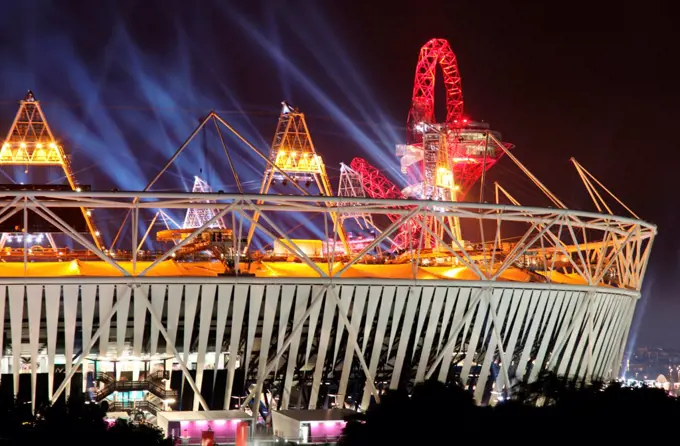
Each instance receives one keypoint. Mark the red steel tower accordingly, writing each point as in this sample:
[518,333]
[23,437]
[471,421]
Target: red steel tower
[443,159]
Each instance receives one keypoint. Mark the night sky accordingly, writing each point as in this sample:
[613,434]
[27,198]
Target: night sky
[124,82]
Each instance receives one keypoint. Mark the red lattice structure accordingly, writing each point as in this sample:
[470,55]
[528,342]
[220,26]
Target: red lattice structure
[376,185]
[433,53]
[461,146]
[442,160]
[374,182]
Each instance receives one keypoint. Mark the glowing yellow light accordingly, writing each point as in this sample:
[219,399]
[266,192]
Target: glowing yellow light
[38,146]
[293,154]
[89,213]
[78,189]
[96,233]
[5,146]
[53,145]
[22,145]
[282,152]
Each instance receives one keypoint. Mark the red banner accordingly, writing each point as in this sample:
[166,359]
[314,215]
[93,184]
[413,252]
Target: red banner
[242,433]
[208,438]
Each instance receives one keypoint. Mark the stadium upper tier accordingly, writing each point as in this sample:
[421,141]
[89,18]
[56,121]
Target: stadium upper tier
[280,269]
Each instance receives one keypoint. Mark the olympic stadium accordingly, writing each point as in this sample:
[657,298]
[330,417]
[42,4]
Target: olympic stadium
[384,286]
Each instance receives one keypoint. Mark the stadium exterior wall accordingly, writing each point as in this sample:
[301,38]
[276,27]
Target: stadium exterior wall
[487,334]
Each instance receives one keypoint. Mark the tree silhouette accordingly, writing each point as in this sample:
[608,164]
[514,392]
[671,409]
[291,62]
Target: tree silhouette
[549,409]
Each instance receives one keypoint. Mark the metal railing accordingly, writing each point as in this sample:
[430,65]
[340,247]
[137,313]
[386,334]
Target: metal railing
[132,405]
[129,386]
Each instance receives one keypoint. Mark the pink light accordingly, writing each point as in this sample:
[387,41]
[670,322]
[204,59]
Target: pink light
[183,423]
[220,422]
[201,423]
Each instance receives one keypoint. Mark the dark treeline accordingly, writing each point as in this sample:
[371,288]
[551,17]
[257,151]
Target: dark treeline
[73,423]
[550,410]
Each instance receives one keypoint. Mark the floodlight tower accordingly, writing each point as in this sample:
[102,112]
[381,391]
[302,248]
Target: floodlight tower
[30,143]
[197,217]
[293,158]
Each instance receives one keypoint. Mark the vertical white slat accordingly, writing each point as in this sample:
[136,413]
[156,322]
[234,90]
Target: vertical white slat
[615,337]
[223,299]
[122,318]
[371,308]
[324,337]
[88,297]
[287,297]
[358,306]
[190,304]
[618,348]
[410,313]
[204,322]
[563,326]
[271,302]
[313,322]
[52,296]
[301,303]
[423,311]
[157,303]
[346,294]
[379,339]
[399,303]
[139,318]
[513,297]
[518,309]
[240,300]
[16,319]
[534,322]
[451,294]
[601,314]
[547,334]
[34,302]
[458,314]
[572,307]
[622,341]
[532,297]
[174,306]
[578,320]
[256,292]
[605,335]
[478,320]
[359,299]
[581,349]
[485,370]
[496,340]
[105,305]
[432,325]
[70,319]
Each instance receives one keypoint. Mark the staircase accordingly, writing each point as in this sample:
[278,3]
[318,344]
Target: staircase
[110,385]
[125,406]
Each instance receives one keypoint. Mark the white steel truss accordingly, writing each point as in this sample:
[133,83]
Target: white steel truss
[350,186]
[560,297]
[195,218]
